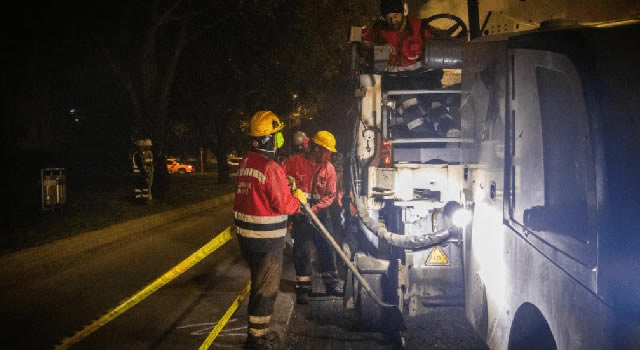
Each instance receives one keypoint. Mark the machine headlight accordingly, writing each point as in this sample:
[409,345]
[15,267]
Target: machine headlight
[462,217]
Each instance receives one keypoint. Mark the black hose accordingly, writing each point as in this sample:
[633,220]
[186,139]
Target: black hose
[393,239]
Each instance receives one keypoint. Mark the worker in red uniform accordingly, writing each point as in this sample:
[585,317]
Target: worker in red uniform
[403,33]
[261,207]
[299,167]
[323,193]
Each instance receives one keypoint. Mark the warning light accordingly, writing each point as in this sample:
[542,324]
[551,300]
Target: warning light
[437,257]
[387,154]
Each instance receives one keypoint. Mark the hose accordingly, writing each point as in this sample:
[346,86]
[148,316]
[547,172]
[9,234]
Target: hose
[393,239]
[306,210]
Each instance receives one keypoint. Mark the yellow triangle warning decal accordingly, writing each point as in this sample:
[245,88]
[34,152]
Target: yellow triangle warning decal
[437,257]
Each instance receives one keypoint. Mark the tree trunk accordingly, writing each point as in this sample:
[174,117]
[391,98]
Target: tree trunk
[223,166]
[160,176]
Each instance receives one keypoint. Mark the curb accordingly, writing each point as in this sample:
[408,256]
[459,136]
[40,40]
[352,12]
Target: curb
[24,264]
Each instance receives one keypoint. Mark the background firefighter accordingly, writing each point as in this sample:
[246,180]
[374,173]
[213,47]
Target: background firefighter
[142,167]
[323,193]
[261,207]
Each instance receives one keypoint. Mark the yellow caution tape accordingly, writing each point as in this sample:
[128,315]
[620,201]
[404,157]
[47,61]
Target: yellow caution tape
[222,238]
[227,315]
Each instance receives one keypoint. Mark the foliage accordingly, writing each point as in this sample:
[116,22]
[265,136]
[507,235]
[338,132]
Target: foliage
[262,58]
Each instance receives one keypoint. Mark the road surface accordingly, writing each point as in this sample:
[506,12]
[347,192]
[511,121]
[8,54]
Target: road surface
[40,312]
[42,305]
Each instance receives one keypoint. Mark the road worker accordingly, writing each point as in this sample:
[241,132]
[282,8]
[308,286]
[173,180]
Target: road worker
[262,204]
[323,193]
[402,33]
[142,167]
[299,169]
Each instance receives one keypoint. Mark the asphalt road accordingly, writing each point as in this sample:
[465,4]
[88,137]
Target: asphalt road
[324,325]
[41,305]
[39,312]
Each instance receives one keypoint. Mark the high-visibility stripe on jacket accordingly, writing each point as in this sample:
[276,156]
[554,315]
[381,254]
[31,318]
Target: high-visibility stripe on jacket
[301,169]
[324,185]
[262,198]
[136,162]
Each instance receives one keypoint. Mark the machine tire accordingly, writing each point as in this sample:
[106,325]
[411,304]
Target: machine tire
[182,171]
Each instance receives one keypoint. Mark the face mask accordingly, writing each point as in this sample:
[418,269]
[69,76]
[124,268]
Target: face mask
[279,141]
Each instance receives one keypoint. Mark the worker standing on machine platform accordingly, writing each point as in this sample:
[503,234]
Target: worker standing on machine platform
[402,33]
[323,193]
[261,207]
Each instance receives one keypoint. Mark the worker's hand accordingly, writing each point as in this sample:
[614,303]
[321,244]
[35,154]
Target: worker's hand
[300,195]
[292,183]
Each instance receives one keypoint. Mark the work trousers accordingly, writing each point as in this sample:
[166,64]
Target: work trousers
[141,188]
[264,257]
[305,238]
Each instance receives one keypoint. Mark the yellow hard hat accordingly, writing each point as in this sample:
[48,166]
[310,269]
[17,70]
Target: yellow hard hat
[265,123]
[326,140]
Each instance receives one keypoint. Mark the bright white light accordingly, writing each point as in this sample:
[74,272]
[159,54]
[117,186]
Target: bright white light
[462,217]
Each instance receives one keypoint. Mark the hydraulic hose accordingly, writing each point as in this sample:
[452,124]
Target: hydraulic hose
[398,240]
[393,239]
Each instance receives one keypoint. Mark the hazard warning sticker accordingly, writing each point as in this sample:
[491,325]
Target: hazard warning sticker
[437,257]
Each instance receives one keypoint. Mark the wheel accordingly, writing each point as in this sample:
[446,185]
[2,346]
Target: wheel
[449,32]
[182,171]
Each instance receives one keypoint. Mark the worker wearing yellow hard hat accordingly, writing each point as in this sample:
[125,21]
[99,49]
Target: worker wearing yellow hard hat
[323,193]
[262,204]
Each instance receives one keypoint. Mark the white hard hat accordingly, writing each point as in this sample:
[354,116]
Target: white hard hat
[300,138]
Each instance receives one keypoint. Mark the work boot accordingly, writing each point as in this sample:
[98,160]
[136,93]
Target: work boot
[271,341]
[302,295]
[334,289]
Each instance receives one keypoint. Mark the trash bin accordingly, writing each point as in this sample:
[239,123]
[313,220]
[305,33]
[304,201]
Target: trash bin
[54,188]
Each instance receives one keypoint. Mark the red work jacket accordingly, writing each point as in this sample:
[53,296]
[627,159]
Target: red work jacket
[301,169]
[262,200]
[406,45]
[323,188]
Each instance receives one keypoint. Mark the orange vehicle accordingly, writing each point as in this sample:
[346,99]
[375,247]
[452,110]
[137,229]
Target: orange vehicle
[173,166]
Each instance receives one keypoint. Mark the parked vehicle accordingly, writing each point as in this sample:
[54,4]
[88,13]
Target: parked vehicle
[173,166]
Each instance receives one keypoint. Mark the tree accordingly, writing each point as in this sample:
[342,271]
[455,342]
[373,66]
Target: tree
[145,62]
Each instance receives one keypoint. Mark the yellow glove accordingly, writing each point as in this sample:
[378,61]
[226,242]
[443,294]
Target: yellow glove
[292,183]
[300,196]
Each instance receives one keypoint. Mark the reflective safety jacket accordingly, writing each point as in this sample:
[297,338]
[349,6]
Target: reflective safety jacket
[301,169]
[406,45]
[262,200]
[137,162]
[323,188]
